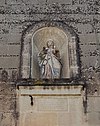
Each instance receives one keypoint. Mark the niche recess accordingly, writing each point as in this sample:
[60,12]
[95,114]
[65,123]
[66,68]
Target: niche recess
[35,38]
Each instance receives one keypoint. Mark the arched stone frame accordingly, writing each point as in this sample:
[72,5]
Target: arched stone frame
[26,53]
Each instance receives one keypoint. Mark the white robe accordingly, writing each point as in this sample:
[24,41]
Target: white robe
[50,66]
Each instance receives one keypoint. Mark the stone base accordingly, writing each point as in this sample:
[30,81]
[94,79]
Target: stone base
[50,106]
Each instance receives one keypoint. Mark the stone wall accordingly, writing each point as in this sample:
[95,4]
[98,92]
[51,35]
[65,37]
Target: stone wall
[16,16]
[8,113]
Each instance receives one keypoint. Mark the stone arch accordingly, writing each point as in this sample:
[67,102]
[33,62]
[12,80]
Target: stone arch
[27,47]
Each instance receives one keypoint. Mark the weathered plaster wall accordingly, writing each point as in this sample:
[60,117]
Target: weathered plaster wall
[81,15]
[17,15]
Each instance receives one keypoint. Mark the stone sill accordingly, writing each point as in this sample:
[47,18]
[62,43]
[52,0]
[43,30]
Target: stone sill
[50,90]
[46,82]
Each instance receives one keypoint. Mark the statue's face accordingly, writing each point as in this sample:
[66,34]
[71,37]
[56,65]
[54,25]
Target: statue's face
[50,43]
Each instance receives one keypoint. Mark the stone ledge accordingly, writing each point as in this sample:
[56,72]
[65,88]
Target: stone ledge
[46,82]
[50,90]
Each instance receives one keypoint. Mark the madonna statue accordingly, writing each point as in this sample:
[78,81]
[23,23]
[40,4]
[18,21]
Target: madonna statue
[49,62]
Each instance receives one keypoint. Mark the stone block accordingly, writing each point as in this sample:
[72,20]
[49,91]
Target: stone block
[94,118]
[50,107]
[39,119]
[70,119]
[87,38]
[52,104]
[9,62]
[94,104]
[59,1]
[73,103]
[9,50]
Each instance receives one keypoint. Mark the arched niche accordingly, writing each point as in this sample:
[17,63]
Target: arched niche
[60,39]
[36,37]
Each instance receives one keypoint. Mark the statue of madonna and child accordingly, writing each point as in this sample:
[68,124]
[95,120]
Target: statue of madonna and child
[49,62]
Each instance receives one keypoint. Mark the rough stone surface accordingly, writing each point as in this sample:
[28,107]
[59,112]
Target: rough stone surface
[16,16]
[8,114]
[83,16]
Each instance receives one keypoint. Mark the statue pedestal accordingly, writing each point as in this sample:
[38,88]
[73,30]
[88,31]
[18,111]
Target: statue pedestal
[50,105]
